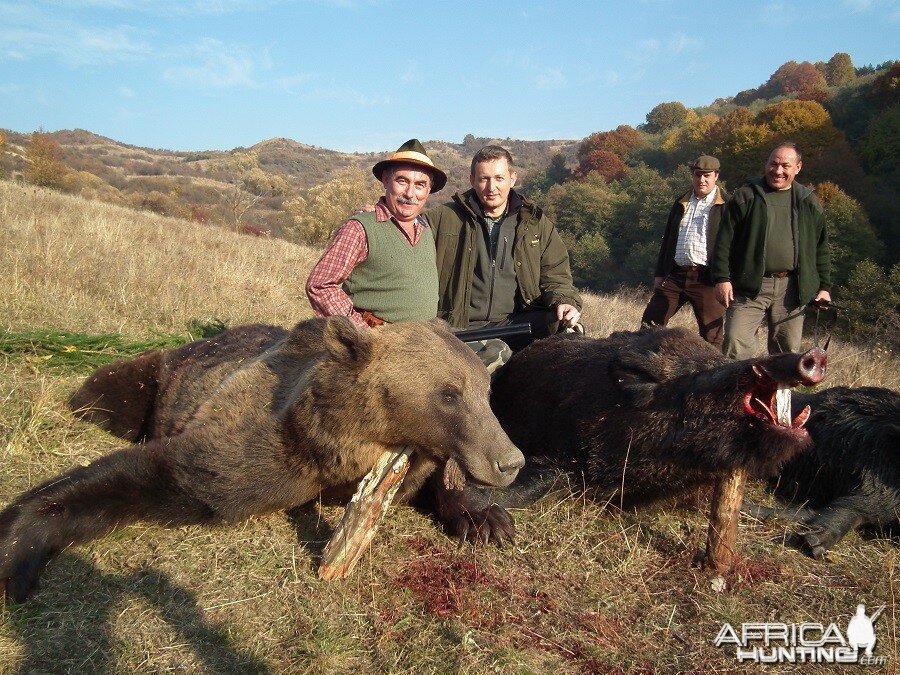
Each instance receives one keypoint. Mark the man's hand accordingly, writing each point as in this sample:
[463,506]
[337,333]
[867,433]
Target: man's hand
[724,293]
[822,300]
[567,314]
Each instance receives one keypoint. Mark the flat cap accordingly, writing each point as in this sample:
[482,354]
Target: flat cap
[705,163]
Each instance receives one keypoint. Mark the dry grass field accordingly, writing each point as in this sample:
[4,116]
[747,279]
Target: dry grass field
[583,590]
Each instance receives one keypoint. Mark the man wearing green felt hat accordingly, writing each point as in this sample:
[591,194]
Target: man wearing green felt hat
[379,266]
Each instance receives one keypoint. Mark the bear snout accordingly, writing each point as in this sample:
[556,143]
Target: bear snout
[508,468]
[512,465]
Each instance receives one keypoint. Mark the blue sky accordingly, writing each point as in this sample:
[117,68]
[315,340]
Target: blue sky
[365,75]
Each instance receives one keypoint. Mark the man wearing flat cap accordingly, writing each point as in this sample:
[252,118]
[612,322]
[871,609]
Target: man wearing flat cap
[682,269]
[379,267]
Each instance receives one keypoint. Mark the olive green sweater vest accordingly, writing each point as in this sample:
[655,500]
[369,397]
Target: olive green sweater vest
[396,282]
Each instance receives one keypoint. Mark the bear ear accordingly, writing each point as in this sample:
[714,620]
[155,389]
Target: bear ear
[347,343]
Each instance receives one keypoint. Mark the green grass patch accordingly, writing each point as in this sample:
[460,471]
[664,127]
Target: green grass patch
[63,352]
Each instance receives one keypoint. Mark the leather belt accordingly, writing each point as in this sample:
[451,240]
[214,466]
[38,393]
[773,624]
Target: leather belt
[371,320]
[778,275]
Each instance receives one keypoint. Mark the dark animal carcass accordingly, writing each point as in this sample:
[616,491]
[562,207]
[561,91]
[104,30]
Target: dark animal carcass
[260,419]
[637,417]
[850,476]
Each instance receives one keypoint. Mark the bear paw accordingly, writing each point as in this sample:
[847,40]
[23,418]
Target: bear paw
[493,524]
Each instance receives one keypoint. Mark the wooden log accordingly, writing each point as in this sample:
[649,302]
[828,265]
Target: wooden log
[363,514]
[725,510]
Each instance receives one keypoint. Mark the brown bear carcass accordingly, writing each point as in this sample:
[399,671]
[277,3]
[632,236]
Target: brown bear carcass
[255,420]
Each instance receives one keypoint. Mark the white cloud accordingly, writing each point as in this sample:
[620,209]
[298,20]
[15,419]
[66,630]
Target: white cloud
[681,43]
[29,32]
[551,78]
[650,45]
[346,95]
[291,83]
[218,66]
[197,7]
[412,75]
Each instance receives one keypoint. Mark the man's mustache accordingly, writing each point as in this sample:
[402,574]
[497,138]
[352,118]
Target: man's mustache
[408,201]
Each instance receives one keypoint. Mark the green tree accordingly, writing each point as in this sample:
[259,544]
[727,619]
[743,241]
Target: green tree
[850,233]
[687,141]
[538,182]
[318,211]
[872,302]
[635,228]
[886,87]
[665,116]
[839,70]
[46,167]
[591,262]
[879,148]
[581,207]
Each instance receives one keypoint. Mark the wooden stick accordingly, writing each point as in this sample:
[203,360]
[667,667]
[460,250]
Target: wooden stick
[363,514]
[725,511]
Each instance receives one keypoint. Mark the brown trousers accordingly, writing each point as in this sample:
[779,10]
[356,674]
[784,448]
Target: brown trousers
[682,286]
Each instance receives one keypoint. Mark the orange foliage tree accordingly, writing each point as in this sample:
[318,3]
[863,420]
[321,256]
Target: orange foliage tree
[886,87]
[46,167]
[605,151]
[795,77]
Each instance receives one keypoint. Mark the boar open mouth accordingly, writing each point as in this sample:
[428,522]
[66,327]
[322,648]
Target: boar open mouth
[762,402]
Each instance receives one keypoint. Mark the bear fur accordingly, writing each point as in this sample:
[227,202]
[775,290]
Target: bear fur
[634,417]
[260,419]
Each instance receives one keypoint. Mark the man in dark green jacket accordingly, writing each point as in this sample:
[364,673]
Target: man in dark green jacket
[499,260]
[771,258]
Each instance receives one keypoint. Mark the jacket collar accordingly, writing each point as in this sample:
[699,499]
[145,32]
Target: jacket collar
[799,192]
[721,197]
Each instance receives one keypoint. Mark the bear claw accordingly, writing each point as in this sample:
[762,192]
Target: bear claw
[492,525]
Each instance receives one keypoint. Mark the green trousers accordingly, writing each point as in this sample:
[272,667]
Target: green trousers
[776,306]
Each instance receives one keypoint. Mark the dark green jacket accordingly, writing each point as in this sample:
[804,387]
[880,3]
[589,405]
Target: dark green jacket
[542,261]
[670,237]
[740,250]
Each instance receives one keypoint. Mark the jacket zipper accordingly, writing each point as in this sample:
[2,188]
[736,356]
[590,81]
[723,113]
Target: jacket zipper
[503,255]
[493,252]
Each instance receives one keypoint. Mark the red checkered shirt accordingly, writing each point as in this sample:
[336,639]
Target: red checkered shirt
[347,249]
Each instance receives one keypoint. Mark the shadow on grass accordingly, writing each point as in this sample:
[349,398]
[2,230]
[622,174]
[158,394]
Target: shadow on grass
[313,532]
[68,627]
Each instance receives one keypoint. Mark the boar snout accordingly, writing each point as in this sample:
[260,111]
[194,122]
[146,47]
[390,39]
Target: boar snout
[812,366]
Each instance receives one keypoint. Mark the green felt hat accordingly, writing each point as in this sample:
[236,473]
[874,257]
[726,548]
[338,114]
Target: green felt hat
[413,152]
